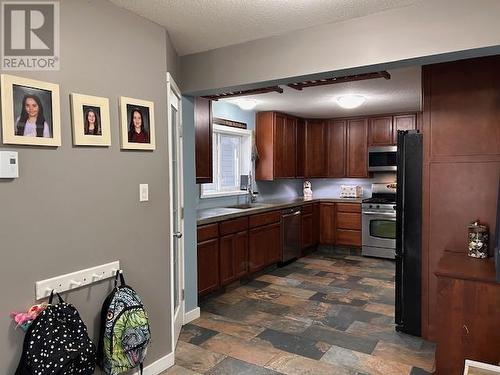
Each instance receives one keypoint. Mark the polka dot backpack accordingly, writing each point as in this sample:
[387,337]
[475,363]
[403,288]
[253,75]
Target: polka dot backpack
[57,343]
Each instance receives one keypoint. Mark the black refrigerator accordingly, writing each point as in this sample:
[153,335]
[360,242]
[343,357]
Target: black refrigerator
[409,233]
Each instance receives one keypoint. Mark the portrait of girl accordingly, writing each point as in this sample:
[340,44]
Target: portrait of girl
[91,120]
[31,122]
[138,125]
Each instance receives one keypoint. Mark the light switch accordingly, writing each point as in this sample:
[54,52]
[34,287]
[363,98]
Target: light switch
[143,192]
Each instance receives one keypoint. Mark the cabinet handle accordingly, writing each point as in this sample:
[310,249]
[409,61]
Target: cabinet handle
[466,329]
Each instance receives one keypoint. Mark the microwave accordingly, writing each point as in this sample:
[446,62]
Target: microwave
[382,158]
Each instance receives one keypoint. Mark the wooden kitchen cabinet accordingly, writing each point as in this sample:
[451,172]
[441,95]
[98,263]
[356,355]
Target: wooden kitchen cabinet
[208,266]
[316,148]
[404,122]
[316,223]
[264,246]
[327,227]
[307,237]
[381,132]
[348,224]
[357,148]
[203,140]
[276,140]
[233,257]
[301,148]
[336,146]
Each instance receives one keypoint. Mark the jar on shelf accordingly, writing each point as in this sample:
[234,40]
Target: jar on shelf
[478,240]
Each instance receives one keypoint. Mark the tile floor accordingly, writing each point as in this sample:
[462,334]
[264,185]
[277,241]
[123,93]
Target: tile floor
[331,312]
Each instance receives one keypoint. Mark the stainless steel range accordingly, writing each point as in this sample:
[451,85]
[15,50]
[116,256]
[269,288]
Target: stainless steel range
[379,222]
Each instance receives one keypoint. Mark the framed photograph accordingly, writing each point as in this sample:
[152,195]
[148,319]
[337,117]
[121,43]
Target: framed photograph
[137,124]
[30,112]
[91,125]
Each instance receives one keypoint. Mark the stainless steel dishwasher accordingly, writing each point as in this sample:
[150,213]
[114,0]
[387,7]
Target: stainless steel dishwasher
[292,228]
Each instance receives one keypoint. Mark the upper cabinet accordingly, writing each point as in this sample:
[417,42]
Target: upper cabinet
[315,141]
[357,148]
[383,130]
[336,146]
[203,140]
[301,148]
[276,140]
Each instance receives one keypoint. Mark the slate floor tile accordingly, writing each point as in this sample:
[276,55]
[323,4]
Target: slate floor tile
[195,358]
[294,344]
[232,366]
[195,334]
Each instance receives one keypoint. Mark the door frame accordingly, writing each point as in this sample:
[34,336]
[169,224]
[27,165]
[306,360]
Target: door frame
[173,89]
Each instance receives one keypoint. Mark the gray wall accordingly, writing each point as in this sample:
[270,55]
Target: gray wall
[77,207]
[431,30]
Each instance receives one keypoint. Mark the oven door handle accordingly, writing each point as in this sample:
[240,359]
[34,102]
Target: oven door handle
[379,213]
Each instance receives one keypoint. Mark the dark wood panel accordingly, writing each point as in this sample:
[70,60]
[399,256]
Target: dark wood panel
[301,148]
[336,146]
[290,148]
[307,209]
[327,220]
[315,148]
[316,223]
[265,219]
[233,226]
[203,140]
[307,238]
[347,237]
[233,257]
[207,232]
[357,148]
[380,132]
[404,122]
[348,220]
[349,207]
[264,246]
[279,145]
[208,266]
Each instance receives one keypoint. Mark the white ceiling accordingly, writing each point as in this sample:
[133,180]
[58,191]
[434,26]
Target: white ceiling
[401,93]
[202,25]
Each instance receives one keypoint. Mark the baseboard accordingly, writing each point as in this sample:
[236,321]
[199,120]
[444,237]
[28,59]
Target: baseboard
[158,366]
[191,315]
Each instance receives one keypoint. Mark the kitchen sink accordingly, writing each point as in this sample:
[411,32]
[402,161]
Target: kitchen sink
[247,206]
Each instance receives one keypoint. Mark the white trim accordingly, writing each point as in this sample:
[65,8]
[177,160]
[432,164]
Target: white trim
[230,130]
[191,315]
[222,194]
[158,366]
[480,365]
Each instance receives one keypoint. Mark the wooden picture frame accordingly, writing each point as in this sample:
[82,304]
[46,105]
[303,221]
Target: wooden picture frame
[130,137]
[90,120]
[31,112]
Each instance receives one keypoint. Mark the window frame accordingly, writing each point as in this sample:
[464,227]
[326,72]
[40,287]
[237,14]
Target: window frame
[244,163]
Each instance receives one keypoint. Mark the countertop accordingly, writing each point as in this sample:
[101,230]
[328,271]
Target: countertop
[214,215]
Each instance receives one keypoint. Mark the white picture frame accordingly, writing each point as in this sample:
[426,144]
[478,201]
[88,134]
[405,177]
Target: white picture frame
[17,94]
[128,139]
[82,106]
[480,368]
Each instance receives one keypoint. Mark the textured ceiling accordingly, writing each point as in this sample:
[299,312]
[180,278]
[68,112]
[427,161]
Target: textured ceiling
[401,93]
[202,25]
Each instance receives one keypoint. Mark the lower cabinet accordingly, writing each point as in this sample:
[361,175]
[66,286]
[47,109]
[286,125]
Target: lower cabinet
[327,226]
[233,257]
[264,246]
[348,224]
[208,266]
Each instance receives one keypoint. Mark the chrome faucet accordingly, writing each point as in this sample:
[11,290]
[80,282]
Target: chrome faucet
[251,195]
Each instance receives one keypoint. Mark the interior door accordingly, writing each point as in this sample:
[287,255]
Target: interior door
[176,206]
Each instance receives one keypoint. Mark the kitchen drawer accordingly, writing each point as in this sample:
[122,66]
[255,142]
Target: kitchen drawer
[348,220]
[348,237]
[207,232]
[349,207]
[307,209]
[234,226]
[265,218]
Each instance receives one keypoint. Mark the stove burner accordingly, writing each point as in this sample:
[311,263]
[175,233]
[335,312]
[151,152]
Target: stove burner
[379,200]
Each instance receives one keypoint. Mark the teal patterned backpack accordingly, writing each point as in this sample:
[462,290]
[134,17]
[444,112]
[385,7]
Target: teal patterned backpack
[125,333]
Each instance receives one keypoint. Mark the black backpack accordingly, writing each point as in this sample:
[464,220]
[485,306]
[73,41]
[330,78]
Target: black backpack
[57,343]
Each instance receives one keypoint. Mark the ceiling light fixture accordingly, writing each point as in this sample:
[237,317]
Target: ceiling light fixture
[245,103]
[350,101]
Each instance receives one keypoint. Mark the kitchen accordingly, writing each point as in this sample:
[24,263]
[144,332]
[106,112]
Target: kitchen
[349,156]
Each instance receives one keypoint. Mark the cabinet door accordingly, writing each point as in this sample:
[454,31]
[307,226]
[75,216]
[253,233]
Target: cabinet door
[290,148]
[336,146]
[307,239]
[233,257]
[301,148]
[327,219]
[264,246]
[404,122]
[380,131]
[357,148]
[208,266]
[315,148]
[203,140]
[316,223]
[279,145]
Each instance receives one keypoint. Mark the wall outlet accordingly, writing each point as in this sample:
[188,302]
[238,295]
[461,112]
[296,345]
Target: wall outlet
[143,192]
